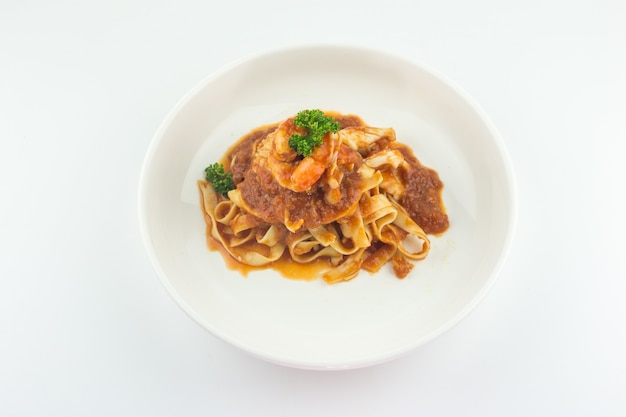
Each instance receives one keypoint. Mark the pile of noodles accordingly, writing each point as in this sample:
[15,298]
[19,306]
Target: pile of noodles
[360,184]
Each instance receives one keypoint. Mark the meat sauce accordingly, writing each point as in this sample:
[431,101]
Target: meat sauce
[422,195]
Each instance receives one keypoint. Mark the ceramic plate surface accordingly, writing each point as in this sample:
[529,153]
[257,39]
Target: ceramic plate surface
[310,324]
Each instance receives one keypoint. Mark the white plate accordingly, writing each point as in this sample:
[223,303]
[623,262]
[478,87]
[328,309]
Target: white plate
[309,324]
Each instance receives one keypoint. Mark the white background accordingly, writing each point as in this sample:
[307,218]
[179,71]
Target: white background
[87,328]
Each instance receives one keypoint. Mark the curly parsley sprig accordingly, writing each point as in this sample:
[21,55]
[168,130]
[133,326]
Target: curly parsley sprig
[221,180]
[316,124]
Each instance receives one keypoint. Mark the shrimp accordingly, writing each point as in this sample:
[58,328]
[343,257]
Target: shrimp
[299,175]
[310,169]
[281,150]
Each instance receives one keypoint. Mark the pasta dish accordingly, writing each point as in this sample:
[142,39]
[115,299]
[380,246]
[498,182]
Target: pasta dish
[357,199]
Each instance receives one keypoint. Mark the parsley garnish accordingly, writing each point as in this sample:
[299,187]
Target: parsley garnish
[316,124]
[221,180]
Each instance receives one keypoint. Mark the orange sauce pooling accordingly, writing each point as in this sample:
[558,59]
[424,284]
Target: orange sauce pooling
[285,266]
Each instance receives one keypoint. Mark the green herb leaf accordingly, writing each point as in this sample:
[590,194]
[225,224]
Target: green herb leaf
[316,124]
[221,180]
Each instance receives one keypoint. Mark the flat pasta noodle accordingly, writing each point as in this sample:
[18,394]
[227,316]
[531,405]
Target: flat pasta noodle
[342,204]
[305,248]
[243,245]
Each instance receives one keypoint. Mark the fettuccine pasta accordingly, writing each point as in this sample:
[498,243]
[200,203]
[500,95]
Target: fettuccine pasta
[359,201]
